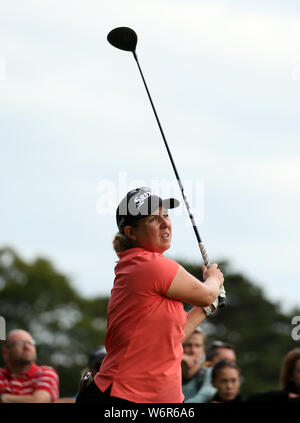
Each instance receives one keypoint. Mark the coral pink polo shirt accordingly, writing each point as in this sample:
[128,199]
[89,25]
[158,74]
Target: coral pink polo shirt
[144,331]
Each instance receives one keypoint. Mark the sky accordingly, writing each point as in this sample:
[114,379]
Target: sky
[77,132]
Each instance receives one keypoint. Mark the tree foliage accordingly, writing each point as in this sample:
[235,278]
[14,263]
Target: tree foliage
[66,326]
[257,328]
[36,297]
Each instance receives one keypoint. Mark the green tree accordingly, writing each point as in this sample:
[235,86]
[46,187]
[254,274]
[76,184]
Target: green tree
[36,297]
[257,328]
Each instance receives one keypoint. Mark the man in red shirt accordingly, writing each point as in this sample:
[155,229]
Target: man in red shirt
[22,380]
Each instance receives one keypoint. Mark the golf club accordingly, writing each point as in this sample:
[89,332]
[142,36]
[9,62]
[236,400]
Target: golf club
[125,38]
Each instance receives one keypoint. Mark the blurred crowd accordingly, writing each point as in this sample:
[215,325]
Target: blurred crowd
[210,373]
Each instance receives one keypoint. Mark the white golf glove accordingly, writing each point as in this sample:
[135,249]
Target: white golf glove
[209,310]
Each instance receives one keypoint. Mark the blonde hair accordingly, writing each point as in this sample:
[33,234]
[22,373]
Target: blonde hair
[121,243]
[288,367]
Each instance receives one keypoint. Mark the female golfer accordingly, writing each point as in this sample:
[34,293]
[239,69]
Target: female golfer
[146,321]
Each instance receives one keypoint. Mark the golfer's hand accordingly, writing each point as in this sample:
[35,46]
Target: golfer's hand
[214,272]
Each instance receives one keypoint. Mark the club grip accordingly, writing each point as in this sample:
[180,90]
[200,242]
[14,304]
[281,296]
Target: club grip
[222,293]
[222,296]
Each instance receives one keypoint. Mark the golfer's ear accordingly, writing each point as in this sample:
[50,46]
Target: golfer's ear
[129,231]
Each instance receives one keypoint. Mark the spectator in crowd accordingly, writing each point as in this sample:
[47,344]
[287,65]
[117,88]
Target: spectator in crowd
[227,381]
[290,373]
[21,380]
[216,352]
[191,364]
[95,360]
[289,382]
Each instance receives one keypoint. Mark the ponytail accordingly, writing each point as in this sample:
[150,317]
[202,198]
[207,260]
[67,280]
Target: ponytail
[121,243]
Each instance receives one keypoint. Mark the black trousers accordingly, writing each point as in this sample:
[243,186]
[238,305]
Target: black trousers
[91,394]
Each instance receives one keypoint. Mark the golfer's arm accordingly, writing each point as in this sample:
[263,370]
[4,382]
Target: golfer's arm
[194,318]
[185,287]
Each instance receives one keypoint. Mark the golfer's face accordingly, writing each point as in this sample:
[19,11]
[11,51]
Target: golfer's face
[155,232]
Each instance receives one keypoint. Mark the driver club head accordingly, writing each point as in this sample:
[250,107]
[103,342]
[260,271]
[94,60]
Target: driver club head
[123,38]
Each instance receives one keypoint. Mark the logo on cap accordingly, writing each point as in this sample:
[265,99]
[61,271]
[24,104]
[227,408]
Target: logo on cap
[140,200]
[139,203]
